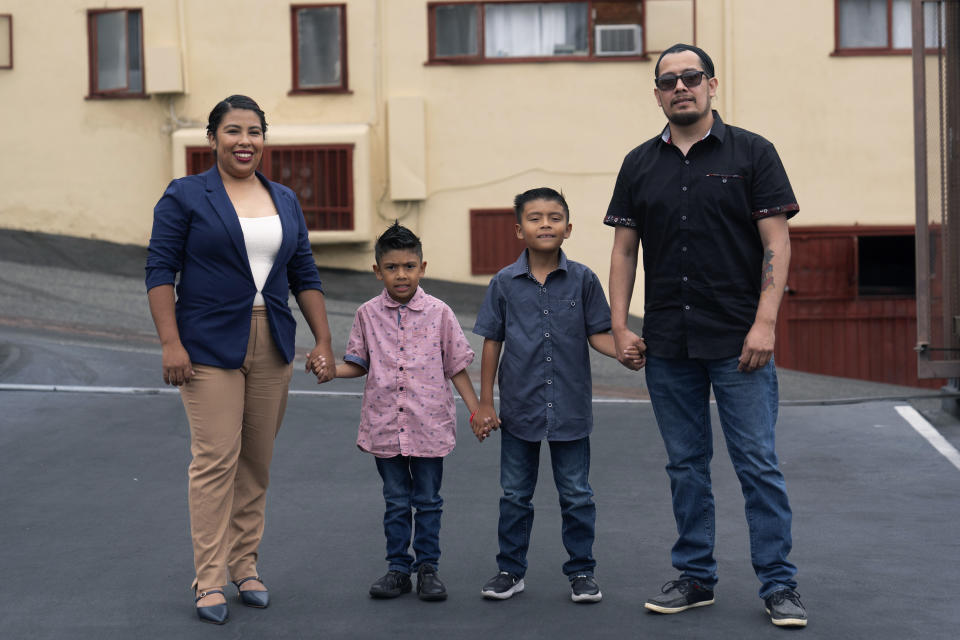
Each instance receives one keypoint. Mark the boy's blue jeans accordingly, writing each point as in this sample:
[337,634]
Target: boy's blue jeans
[411,483]
[747,404]
[519,464]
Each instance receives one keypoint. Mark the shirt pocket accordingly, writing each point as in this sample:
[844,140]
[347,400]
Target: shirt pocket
[726,191]
[569,312]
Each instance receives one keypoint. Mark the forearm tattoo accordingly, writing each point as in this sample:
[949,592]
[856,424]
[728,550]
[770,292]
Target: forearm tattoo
[766,273]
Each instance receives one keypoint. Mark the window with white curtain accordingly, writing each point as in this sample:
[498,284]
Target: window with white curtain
[535,30]
[548,30]
[319,48]
[870,26]
[115,52]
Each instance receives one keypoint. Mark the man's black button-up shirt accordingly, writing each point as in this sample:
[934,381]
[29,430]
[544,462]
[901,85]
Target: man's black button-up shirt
[702,253]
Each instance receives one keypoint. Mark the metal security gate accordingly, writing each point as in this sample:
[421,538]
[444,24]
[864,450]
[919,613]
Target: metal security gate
[936,92]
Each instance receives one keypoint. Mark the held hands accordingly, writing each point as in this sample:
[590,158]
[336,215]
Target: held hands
[484,421]
[321,363]
[177,369]
[757,347]
[631,349]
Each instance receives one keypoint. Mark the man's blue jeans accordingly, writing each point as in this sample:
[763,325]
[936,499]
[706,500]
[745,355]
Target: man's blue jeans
[519,465]
[411,482]
[747,403]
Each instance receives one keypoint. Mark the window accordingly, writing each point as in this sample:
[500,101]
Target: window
[493,240]
[6,41]
[320,175]
[886,265]
[319,48]
[883,26]
[322,178]
[115,40]
[479,32]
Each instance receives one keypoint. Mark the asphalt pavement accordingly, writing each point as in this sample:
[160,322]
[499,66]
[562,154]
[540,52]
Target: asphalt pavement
[93,458]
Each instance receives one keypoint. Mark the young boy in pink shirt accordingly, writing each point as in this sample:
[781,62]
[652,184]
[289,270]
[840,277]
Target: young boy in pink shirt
[408,344]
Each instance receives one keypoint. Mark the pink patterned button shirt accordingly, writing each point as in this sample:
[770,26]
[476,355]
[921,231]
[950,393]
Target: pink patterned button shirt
[409,351]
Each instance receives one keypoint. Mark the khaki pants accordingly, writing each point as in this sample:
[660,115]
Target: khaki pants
[234,417]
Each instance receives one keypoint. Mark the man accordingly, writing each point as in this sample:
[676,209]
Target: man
[710,204]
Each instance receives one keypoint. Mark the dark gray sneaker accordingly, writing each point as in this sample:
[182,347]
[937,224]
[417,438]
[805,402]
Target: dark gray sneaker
[584,588]
[429,585]
[502,586]
[680,595]
[785,609]
[391,585]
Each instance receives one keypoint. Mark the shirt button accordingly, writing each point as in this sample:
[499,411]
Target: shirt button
[545,312]
[724,181]
[546,335]
[549,359]
[401,408]
[686,162]
[401,348]
[686,306]
[401,368]
[549,381]
[543,289]
[683,188]
[550,404]
[684,278]
[573,303]
[401,388]
[401,429]
[683,217]
[683,248]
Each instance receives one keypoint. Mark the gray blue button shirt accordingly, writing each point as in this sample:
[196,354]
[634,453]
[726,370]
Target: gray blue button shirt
[544,374]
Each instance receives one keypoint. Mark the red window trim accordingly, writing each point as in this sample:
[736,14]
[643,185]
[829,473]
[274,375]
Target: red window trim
[9,17]
[112,94]
[888,50]
[344,86]
[433,60]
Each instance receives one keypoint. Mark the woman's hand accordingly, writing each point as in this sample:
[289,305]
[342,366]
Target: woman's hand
[177,369]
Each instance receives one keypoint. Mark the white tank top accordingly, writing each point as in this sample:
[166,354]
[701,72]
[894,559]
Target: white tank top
[262,237]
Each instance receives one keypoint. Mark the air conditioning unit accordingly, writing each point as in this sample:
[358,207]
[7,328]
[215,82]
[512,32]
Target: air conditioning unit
[619,39]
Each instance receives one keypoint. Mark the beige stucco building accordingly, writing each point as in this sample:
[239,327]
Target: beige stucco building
[442,112]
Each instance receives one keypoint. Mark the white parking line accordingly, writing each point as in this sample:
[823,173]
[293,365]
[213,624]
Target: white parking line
[150,391]
[930,434]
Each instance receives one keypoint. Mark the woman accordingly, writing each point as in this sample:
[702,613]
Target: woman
[239,244]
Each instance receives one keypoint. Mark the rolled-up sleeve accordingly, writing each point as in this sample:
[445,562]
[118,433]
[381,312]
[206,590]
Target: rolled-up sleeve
[457,354]
[357,351]
[171,224]
[771,192]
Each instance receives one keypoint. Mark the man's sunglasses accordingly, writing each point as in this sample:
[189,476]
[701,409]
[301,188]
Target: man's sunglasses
[668,81]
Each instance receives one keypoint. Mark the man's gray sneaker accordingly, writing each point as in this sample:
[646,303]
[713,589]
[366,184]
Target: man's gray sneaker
[502,586]
[680,595]
[785,609]
[584,588]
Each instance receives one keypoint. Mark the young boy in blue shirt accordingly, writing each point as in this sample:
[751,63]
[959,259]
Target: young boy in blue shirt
[543,311]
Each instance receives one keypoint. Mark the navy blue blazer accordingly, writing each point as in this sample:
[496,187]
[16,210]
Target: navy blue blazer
[196,234]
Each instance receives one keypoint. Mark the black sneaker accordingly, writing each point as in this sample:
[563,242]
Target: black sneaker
[584,588]
[502,586]
[429,586]
[680,595]
[391,585]
[785,609]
